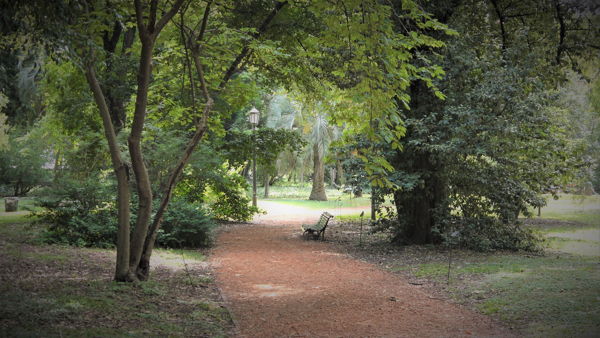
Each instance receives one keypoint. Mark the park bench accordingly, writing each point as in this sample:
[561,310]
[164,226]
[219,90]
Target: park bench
[317,230]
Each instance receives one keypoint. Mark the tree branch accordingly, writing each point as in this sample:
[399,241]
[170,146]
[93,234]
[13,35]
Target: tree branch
[167,16]
[246,50]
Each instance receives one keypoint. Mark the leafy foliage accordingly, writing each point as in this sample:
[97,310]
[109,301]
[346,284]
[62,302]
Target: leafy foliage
[79,213]
[82,213]
[186,225]
[22,164]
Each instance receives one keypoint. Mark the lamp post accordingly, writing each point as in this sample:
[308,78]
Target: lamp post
[253,119]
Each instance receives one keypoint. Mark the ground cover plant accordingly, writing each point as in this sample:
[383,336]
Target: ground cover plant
[58,291]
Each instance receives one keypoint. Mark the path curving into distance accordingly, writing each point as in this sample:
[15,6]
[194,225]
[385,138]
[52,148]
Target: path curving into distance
[276,284]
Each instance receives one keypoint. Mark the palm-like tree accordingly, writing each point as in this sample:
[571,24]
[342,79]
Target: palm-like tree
[320,138]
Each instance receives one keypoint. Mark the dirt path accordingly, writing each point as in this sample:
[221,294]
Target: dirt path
[277,284]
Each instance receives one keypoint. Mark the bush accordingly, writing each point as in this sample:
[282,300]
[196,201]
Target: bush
[80,213]
[489,234]
[479,234]
[83,213]
[185,225]
[233,206]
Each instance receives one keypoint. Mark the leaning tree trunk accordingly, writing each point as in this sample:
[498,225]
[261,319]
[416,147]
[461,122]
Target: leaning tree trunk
[122,271]
[318,183]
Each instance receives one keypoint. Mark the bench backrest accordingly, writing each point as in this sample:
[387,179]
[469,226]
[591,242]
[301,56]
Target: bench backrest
[323,220]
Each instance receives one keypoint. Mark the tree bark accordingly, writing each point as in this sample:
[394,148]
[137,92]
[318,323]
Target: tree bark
[318,183]
[148,32]
[339,177]
[267,184]
[122,271]
[144,265]
[142,179]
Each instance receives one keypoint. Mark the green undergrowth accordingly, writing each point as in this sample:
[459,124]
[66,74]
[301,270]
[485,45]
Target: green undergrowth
[545,296]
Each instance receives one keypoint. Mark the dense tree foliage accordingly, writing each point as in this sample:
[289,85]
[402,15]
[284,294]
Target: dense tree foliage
[478,159]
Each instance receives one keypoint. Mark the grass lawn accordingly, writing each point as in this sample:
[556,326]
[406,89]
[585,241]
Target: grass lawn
[576,208]
[57,291]
[544,296]
[330,204]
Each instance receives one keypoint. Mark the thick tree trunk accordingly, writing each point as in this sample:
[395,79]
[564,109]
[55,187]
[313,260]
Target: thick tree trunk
[318,183]
[419,205]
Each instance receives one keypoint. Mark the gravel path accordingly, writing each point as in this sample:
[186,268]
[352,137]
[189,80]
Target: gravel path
[277,284]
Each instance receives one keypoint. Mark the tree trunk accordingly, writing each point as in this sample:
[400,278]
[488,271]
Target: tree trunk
[374,206]
[143,268]
[142,179]
[318,183]
[267,184]
[148,33]
[419,205]
[301,173]
[339,176]
[332,177]
[122,271]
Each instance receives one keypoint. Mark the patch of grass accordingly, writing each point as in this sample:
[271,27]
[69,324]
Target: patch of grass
[575,208]
[25,204]
[552,295]
[19,229]
[7,218]
[540,295]
[590,218]
[298,191]
[329,204]
[176,254]
[490,306]
[37,256]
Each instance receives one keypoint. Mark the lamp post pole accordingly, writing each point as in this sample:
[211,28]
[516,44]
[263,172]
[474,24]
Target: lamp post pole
[254,121]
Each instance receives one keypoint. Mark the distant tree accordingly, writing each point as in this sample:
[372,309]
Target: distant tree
[22,164]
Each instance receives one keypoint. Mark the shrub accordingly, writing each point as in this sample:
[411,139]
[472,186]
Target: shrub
[478,234]
[83,213]
[489,234]
[80,213]
[233,206]
[185,225]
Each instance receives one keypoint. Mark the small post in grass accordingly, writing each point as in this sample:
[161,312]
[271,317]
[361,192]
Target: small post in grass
[453,236]
[361,227]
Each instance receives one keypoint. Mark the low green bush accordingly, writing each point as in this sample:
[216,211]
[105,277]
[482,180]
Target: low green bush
[186,225]
[489,234]
[80,213]
[83,213]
